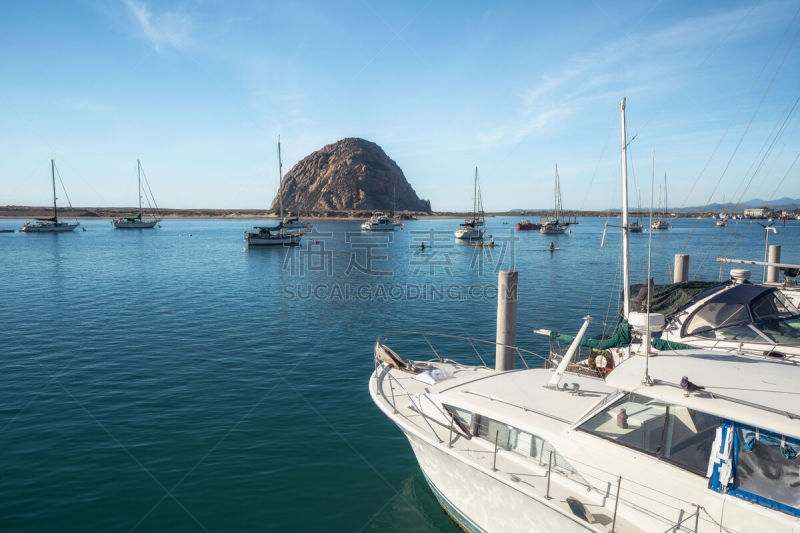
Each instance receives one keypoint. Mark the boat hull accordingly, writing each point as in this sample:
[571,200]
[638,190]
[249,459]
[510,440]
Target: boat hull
[529,227]
[144,224]
[49,228]
[469,234]
[282,240]
[553,230]
[497,506]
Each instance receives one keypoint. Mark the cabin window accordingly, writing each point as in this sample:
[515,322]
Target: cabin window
[717,315]
[634,420]
[773,306]
[689,437]
[670,432]
[525,444]
[462,417]
[768,466]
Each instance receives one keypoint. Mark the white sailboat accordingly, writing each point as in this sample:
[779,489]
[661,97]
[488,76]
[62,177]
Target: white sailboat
[554,225]
[280,234]
[137,222]
[690,440]
[636,227]
[661,221]
[472,228]
[380,221]
[50,225]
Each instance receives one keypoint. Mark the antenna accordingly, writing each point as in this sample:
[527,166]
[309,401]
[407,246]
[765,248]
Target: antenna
[626,276]
[647,379]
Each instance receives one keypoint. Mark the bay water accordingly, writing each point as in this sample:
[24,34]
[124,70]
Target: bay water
[174,380]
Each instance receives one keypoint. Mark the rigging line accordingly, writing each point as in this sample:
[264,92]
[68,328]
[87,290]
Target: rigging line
[74,214]
[600,265]
[147,184]
[705,257]
[771,146]
[594,174]
[760,103]
[695,70]
[775,134]
[736,115]
[745,232]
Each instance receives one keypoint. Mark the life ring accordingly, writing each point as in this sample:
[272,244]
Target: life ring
[606,361]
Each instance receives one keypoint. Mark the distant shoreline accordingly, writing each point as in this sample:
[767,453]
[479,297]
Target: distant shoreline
[100,213]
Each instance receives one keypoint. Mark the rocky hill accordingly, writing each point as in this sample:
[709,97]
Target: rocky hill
[351,174]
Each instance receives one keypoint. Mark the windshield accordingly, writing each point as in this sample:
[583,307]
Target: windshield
[770,318]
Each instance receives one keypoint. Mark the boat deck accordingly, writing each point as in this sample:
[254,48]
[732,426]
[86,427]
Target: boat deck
[402,396]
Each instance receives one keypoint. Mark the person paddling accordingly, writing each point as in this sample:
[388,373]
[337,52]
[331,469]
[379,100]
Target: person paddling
[552,246]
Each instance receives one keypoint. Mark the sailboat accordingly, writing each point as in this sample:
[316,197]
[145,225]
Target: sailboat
[379,221]
[472,228]
[554,225]
[661,221]
[280,234]
[723,216]
[50,225]
[636,227]
[137,222]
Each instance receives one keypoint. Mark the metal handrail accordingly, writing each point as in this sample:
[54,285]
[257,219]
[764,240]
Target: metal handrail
[618,493]
[521,352]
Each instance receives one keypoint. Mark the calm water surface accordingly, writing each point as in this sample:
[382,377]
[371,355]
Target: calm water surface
[171,379]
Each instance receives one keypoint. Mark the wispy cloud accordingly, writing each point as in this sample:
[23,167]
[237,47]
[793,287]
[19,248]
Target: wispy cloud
[657,59]
[168,28]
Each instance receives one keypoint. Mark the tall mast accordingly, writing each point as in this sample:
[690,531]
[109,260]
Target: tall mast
[280,178]
[626,283]
[665,195]
[139,175]
[475,196]
[53,174]
[558,196]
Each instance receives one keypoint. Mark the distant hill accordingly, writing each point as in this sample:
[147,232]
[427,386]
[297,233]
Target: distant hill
[351,174]
[788,204]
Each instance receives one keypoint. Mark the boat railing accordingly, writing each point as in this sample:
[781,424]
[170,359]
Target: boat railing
[457,349]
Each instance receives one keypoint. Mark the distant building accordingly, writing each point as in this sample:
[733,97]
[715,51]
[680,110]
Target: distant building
[761,212]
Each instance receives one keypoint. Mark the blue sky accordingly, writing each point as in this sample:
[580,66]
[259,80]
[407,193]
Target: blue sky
[199,91]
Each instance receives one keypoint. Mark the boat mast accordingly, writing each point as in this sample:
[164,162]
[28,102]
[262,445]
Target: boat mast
[280,178]
[665,196]
[53,174]
[558,196]
[475,197]
[626,284]
[139,176]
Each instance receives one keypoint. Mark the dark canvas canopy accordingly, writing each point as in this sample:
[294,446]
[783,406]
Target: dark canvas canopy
[669,299]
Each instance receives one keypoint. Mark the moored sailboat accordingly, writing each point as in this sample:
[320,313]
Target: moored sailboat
[661,222]
[473,228]
[138,222]
[555,225]
[280,234]
[50,225]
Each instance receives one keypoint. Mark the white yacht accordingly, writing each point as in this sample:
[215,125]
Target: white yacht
[280,235]
[472,229]
[138,222]
[380,222]
[50,225]
[555,225]
[676,440]
[740,318]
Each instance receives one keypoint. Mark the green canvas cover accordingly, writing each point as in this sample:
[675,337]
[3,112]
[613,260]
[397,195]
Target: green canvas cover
[621,337]
[668,299]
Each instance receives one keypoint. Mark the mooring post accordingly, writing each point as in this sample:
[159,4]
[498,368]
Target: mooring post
[774,257]
[681,270]
[506,319]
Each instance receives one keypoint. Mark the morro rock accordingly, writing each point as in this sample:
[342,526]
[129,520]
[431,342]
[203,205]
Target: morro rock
[349,175]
